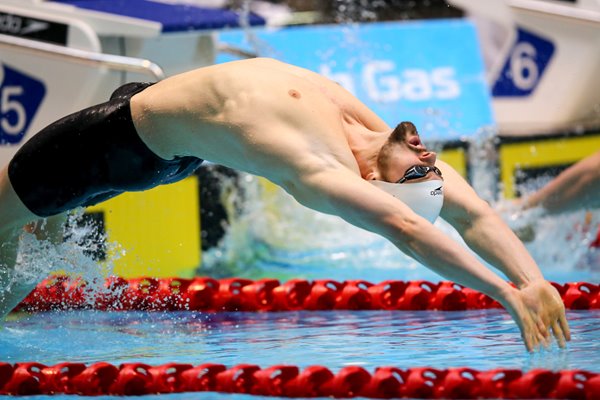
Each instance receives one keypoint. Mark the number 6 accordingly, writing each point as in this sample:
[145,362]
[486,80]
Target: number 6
[523,67]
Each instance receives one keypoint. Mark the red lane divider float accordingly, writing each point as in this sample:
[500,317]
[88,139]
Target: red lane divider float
[596,242]
[237,294]
[289,381]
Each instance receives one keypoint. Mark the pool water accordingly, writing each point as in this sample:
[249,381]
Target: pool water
[480,339]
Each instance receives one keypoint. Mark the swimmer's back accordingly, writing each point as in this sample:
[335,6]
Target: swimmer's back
[219,92]
[256,115]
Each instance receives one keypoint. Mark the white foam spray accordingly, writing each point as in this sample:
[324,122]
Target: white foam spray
[37,259]
[269,233]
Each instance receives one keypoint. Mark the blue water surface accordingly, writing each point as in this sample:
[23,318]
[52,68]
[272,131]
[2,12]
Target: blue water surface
[482,339]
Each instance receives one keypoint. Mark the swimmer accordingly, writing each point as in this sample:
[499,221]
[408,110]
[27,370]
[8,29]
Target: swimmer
[301,131]
[576,188]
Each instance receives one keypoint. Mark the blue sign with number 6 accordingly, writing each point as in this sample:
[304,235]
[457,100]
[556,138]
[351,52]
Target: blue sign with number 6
[20,98]
[527,61]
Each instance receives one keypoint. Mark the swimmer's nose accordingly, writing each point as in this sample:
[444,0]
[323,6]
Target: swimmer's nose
[428,157]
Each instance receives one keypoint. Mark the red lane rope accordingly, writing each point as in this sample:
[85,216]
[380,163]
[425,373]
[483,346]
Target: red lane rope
[289,381]
[596,242]
[238,294]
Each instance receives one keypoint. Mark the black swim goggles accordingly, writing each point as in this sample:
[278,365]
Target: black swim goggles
[419,171]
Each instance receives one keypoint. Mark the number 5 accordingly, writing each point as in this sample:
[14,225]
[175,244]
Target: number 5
[7,105]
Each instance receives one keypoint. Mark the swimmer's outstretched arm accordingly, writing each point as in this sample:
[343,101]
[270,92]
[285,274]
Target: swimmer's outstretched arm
[340,192]
[577,187]
[486,233]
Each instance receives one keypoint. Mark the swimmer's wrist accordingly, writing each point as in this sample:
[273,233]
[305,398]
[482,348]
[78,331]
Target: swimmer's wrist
[526,278]
[506,295]
[529,282]
[501,291]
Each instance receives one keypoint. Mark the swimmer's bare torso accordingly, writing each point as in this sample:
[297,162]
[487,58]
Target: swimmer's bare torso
[261,116]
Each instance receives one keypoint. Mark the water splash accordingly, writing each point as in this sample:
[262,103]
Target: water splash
[258,47]
[558,243]
[270,234]
[351,11]
[483,160]
[74,257]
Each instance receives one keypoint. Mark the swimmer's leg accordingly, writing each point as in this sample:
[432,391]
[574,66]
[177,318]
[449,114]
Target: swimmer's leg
[13,217]
[13,213]
[9,297]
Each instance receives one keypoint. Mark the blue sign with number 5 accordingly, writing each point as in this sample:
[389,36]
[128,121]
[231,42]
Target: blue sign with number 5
[20,98]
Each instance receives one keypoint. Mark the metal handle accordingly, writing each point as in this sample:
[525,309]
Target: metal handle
[120,63]
[236,51]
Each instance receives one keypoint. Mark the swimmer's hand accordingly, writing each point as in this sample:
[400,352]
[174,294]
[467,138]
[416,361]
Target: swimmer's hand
[538,308]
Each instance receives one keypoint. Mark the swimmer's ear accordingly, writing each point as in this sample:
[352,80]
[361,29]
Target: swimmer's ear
[372,176]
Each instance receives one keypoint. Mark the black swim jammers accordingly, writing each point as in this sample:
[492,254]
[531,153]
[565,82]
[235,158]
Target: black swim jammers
[91,156]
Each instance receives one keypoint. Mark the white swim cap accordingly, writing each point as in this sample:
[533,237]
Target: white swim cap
[424,198]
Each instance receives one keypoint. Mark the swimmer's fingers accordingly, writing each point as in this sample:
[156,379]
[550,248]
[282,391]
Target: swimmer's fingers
[559,334]
[529,342]
[527,325]
[543,333]
[543,328]
[564,325]
[544,340]
[530,334]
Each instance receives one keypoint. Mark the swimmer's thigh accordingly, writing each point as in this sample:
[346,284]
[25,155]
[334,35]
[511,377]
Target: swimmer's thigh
[82,159]
[13,213]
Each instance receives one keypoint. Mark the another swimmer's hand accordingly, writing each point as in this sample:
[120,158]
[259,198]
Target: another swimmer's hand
[538,308]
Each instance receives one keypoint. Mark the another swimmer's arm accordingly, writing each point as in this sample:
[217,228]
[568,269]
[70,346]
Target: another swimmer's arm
[577,187]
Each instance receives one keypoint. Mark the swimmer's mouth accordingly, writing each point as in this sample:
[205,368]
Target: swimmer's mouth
[415,141]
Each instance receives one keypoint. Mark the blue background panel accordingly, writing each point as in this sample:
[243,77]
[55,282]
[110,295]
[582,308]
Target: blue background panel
[427,72]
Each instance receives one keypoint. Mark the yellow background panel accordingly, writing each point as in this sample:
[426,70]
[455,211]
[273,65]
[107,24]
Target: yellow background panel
[542,153]
[457,159]
[157,230]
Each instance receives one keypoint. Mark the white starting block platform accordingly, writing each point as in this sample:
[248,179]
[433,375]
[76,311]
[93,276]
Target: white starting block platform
[76,52]
[542,59]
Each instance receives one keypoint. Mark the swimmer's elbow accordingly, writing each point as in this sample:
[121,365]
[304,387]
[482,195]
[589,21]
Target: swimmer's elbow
[463,218]
[472,226]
